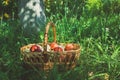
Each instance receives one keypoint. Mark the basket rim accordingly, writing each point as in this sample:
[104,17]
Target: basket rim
[75,50]
[64,52]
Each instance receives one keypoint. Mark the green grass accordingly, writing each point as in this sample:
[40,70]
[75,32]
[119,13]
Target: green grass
[98,37]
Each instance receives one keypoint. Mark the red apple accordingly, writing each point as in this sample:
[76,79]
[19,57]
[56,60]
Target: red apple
[35,48]
[58,49]
[69,47]
[53,45]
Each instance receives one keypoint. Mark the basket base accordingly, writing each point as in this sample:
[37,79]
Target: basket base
[50,65]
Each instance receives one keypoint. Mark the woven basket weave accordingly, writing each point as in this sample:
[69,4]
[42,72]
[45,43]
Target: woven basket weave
[46,59]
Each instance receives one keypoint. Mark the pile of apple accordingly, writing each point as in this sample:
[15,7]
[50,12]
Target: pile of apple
[57,48]
[52,47]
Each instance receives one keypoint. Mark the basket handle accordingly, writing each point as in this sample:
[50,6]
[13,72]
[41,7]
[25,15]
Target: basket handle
[46,34]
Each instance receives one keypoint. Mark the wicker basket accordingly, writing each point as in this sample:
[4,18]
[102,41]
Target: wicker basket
[46,59]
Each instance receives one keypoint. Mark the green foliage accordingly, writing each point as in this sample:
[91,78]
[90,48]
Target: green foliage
[94,4]
[94,24]
[9,9]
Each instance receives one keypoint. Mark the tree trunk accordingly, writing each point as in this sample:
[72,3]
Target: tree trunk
[32,17]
